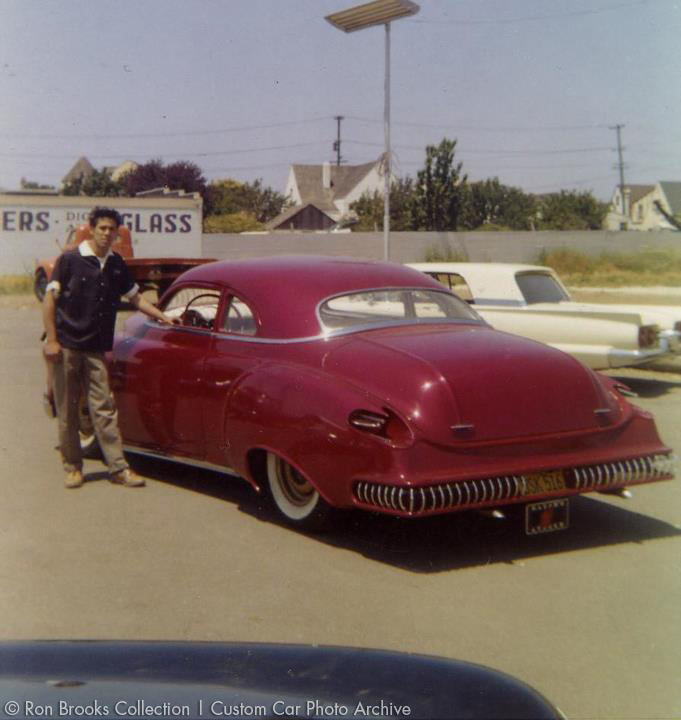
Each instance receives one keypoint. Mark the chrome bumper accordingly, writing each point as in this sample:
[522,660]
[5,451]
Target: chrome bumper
[501,490]
[672,339]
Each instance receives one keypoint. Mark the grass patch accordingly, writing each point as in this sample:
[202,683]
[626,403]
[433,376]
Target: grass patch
[16,284]
[644,268]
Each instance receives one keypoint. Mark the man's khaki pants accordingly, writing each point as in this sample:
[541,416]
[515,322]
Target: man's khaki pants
[85,372]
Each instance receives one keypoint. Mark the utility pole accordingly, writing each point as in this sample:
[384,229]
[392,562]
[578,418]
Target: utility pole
[626,210]
[337,144]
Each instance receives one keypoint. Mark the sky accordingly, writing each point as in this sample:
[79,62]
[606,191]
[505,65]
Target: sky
[531,90]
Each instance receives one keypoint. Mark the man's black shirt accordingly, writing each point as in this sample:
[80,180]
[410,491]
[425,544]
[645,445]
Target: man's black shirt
[88,299]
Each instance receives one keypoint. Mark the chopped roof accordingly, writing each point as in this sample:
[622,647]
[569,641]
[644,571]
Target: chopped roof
[285,290]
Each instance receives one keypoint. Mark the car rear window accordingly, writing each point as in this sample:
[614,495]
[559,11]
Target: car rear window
[392,307]
[540,288]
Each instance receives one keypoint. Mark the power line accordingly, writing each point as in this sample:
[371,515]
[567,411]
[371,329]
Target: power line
[183,133]
[533,18]
[174,153]
[500,128]
[497,153]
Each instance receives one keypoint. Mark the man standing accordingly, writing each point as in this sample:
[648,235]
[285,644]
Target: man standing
[79,314]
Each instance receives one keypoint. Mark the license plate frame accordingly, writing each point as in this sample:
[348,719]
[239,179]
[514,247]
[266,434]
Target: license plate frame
[547,516]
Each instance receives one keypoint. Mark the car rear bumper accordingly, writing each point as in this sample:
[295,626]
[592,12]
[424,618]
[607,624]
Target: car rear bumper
[487,492]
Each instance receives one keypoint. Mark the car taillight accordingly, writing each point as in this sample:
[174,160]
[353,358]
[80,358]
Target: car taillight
[647,336]
[625,390]
[386,425]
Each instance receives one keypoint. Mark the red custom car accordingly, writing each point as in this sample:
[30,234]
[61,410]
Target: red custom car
[336,383]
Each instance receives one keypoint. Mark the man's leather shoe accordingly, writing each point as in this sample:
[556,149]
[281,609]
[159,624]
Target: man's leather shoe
[128,478]
[73,479]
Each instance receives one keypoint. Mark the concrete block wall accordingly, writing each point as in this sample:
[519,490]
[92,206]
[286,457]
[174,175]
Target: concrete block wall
[521,247]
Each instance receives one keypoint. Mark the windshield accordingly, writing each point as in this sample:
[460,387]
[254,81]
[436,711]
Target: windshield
[540,288]
[392,307]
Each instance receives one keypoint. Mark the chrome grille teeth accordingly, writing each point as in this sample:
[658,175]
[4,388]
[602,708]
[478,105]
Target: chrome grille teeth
[580,477]
[600,475]
[493,490]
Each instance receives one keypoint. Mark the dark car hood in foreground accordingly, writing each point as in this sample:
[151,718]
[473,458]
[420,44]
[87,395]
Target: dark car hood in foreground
[138,679]
[502,385]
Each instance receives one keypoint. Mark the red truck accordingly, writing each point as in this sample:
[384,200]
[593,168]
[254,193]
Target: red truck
[149,273]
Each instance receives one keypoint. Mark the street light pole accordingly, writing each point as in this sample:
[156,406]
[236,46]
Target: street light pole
[388,159]
[378,12]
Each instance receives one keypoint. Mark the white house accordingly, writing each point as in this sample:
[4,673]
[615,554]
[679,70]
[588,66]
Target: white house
[333,188]
[645,207]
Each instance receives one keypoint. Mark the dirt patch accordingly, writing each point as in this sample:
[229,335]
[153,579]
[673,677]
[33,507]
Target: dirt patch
[23,301]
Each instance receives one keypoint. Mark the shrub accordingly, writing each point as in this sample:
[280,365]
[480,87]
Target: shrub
[231,223]
[16,284]
[445,254]
[647,267]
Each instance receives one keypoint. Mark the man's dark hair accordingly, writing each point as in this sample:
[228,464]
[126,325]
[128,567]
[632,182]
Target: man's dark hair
[102,212]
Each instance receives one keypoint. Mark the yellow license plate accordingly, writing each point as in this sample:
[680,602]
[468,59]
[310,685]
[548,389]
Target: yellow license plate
[540,483]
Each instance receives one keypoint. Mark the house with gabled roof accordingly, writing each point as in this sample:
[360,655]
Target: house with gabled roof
[331,189]
[83,168]
[302,217]
[645,207]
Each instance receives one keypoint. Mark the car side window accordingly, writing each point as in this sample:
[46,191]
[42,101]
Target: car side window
[239,318]
[194,307]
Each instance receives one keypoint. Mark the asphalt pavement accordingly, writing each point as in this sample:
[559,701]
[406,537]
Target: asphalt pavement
[589,616]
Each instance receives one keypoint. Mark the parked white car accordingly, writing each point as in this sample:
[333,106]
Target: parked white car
[531,300]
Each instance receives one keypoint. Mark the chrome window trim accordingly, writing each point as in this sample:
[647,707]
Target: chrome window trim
[475,319]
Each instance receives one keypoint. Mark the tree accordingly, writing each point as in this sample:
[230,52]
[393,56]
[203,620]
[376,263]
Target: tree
[489,203]
[237,222]
[31,185]
[228,196]
[370,212]
[97,184]
[181,175]
[440,189]
[570,210]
